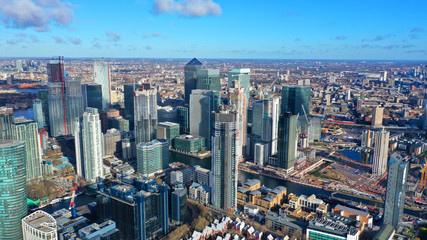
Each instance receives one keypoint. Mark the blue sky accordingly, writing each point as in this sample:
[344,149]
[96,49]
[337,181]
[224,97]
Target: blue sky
[273,29]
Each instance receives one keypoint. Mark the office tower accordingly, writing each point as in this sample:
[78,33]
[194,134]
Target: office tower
[129,98]
[152,156]
[208,79]
[27,131]
[112,143]
[287,143]
[38,113]
[145,114]
[56,98]
[92,96]
[167,114]
[202,103]
[179,205]
[39,225]
[168,131]
[183,119]
[243,76]
[13,188]
[377,117]
[237,101]
[265,122]
[73,102]
[379,166]
[43,95]
[294,98]
[367,138]
[101,75]
[6,120]
[89,144]
[396,188]
[140,213]
[261,153]
[190,77]
[224,163]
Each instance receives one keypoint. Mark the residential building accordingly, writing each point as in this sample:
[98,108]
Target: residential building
[202,176]
[310,203]
[73,102]
[238,102]
[289,226]
[367,138]
[56,97]
[13,188]
[152,156]
[38,113]
[6,121]
[39,225]
[379,166]
[112,143]
[200,193]
[243,77]
[377,117]
[356,214]
[43,95]
[145,114]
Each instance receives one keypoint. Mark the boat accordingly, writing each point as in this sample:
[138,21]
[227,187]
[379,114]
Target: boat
[379,216]
[56,200]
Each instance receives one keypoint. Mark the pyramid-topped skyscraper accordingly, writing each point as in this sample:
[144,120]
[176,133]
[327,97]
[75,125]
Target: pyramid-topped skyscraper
[190,72]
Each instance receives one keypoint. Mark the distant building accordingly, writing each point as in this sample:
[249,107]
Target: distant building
[39,225]
[295,99]
[190,81]
[38,113]
[152,156]
[379,166]
[377,117]
[101,75]
[13,188]
[56,97]
[396,188]
[129,99]
[43,94]
[243,77]
[287,143]
[73,102]
[7,118]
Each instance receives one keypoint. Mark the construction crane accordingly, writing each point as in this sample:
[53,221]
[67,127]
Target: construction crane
[271,85]
[72,204]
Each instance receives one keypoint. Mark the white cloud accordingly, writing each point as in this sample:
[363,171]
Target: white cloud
[188,8]
[35,14]
[113,36]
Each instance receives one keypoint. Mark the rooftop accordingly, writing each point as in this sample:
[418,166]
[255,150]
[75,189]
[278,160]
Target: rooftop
[41,221]
[352,210]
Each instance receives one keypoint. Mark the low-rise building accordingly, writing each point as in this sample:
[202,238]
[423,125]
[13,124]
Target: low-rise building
[311,203]
[199,193]
[353,213]
[252,192]
[105,230]
[284,224]
[334,227]
[39,225]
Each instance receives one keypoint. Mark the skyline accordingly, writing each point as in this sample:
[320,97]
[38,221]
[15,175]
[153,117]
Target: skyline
[214,29]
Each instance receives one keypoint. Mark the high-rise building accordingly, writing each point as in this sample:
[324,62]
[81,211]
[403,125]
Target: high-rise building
[202,103]
[13,188]
[377,117]
[27,131]
[168,131]
[89,144]
[294,98]
[38,113]
[379,166]
[92,96]
[56,98]
[101,75]
[43,95]
[145,114]
[129,99]
[190,81]
[367,138]
[6,120]
[39,225]
[396,187]
[179,205]
[183,119]
[73,102]
[238,102]
[243,76]
[112,142]
[287,143]
[140,213]
[152,156]
[224,164]
[208,79]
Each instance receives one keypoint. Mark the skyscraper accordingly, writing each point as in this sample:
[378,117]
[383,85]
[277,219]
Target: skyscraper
[294,98]
[152,156]
[89,144]
[168,131]
[6,120]
[238,102]
[224,164]
[377,117]
[73,102]
[190,76]
[287,143]
[38,113]
[27,131]
[367,138]
[183,119]
[396,187]
[145,114]
[101,75]
[179,205]
[129,99]
[56,98]
[202,103]
[208,79]
[43,95]
[92,96]
[243,76]
[379,166]
[13,188]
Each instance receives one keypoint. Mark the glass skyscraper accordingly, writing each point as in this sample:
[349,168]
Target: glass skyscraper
[56,98]
[183,119]
[208,79]
[152,156]
[224,164]
[396,187]
[27,131]
[287,141]
[294,98]
[101,75]
[73,102]
[38,113]
[145,114]
[129,99]
[179,205]
[243,76]
[92,96]
[237,101]
[43,95]
[6,120]
[13,188]
[190,77]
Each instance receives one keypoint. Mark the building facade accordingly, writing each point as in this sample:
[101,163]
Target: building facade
[379,166]
[56,97]
[145,114]
[73,102]
[101,75]
[287,142]
[38,113]
[6,118]
[152,156]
